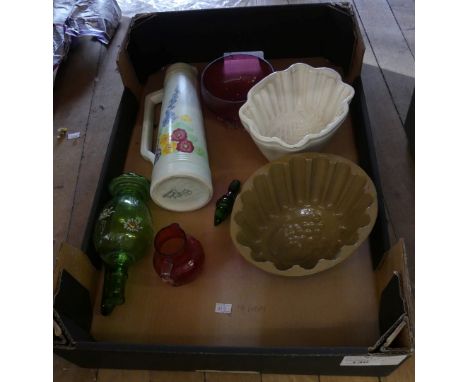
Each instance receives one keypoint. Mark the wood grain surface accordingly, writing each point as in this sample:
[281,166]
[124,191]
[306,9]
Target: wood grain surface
[394,59]
[403,11]
[396,164]
[73,95]
[102,111]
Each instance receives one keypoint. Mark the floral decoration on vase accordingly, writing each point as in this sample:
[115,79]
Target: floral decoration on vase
[182,138]
[133,224]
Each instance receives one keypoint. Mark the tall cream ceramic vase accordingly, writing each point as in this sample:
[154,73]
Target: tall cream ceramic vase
[181,178]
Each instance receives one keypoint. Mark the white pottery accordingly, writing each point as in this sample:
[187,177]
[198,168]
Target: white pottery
[295,110]
[181,177]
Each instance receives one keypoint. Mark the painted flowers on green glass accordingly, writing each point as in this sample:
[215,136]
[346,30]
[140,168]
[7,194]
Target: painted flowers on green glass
[123,234]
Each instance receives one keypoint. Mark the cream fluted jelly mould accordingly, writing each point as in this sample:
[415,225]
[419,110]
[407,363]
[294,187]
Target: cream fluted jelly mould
[295,110]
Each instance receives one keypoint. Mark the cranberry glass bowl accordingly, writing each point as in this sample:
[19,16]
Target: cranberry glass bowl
[226,81]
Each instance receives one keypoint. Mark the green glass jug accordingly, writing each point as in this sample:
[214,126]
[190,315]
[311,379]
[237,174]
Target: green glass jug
[123,234]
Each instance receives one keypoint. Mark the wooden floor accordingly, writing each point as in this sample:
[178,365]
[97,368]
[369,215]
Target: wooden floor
[86,95]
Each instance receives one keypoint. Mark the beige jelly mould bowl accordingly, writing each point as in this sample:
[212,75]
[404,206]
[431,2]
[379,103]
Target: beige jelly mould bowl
[295,110]
[303,214]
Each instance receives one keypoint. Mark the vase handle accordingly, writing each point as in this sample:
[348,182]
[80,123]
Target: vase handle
[151,100]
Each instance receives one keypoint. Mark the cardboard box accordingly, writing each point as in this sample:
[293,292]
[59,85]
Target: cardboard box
[354,319]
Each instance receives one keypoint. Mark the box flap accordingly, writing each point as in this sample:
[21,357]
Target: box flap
[359,47]
[75,282]
[127,72]
[331,30]
[78,265]
[396,311]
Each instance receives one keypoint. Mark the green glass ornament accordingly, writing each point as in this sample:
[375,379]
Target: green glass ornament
[123,234]
[225,203]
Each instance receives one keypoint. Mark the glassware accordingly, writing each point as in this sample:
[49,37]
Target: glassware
[224,203]
[178,257]
[226,81]
[122,235]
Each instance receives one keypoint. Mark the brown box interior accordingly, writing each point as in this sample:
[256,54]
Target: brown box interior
[338,307]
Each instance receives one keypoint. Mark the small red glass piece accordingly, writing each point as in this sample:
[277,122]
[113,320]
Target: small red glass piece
[178,258]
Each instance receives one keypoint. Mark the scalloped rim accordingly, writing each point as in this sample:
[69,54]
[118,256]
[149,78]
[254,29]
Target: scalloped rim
[250,126]
[212,63]
[323,264]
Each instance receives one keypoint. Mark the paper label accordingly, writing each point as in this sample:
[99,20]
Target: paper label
[373,360]
[223,308]
[73,135]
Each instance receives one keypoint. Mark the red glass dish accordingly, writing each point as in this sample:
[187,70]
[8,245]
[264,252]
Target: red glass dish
[178,258]
[226,81]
